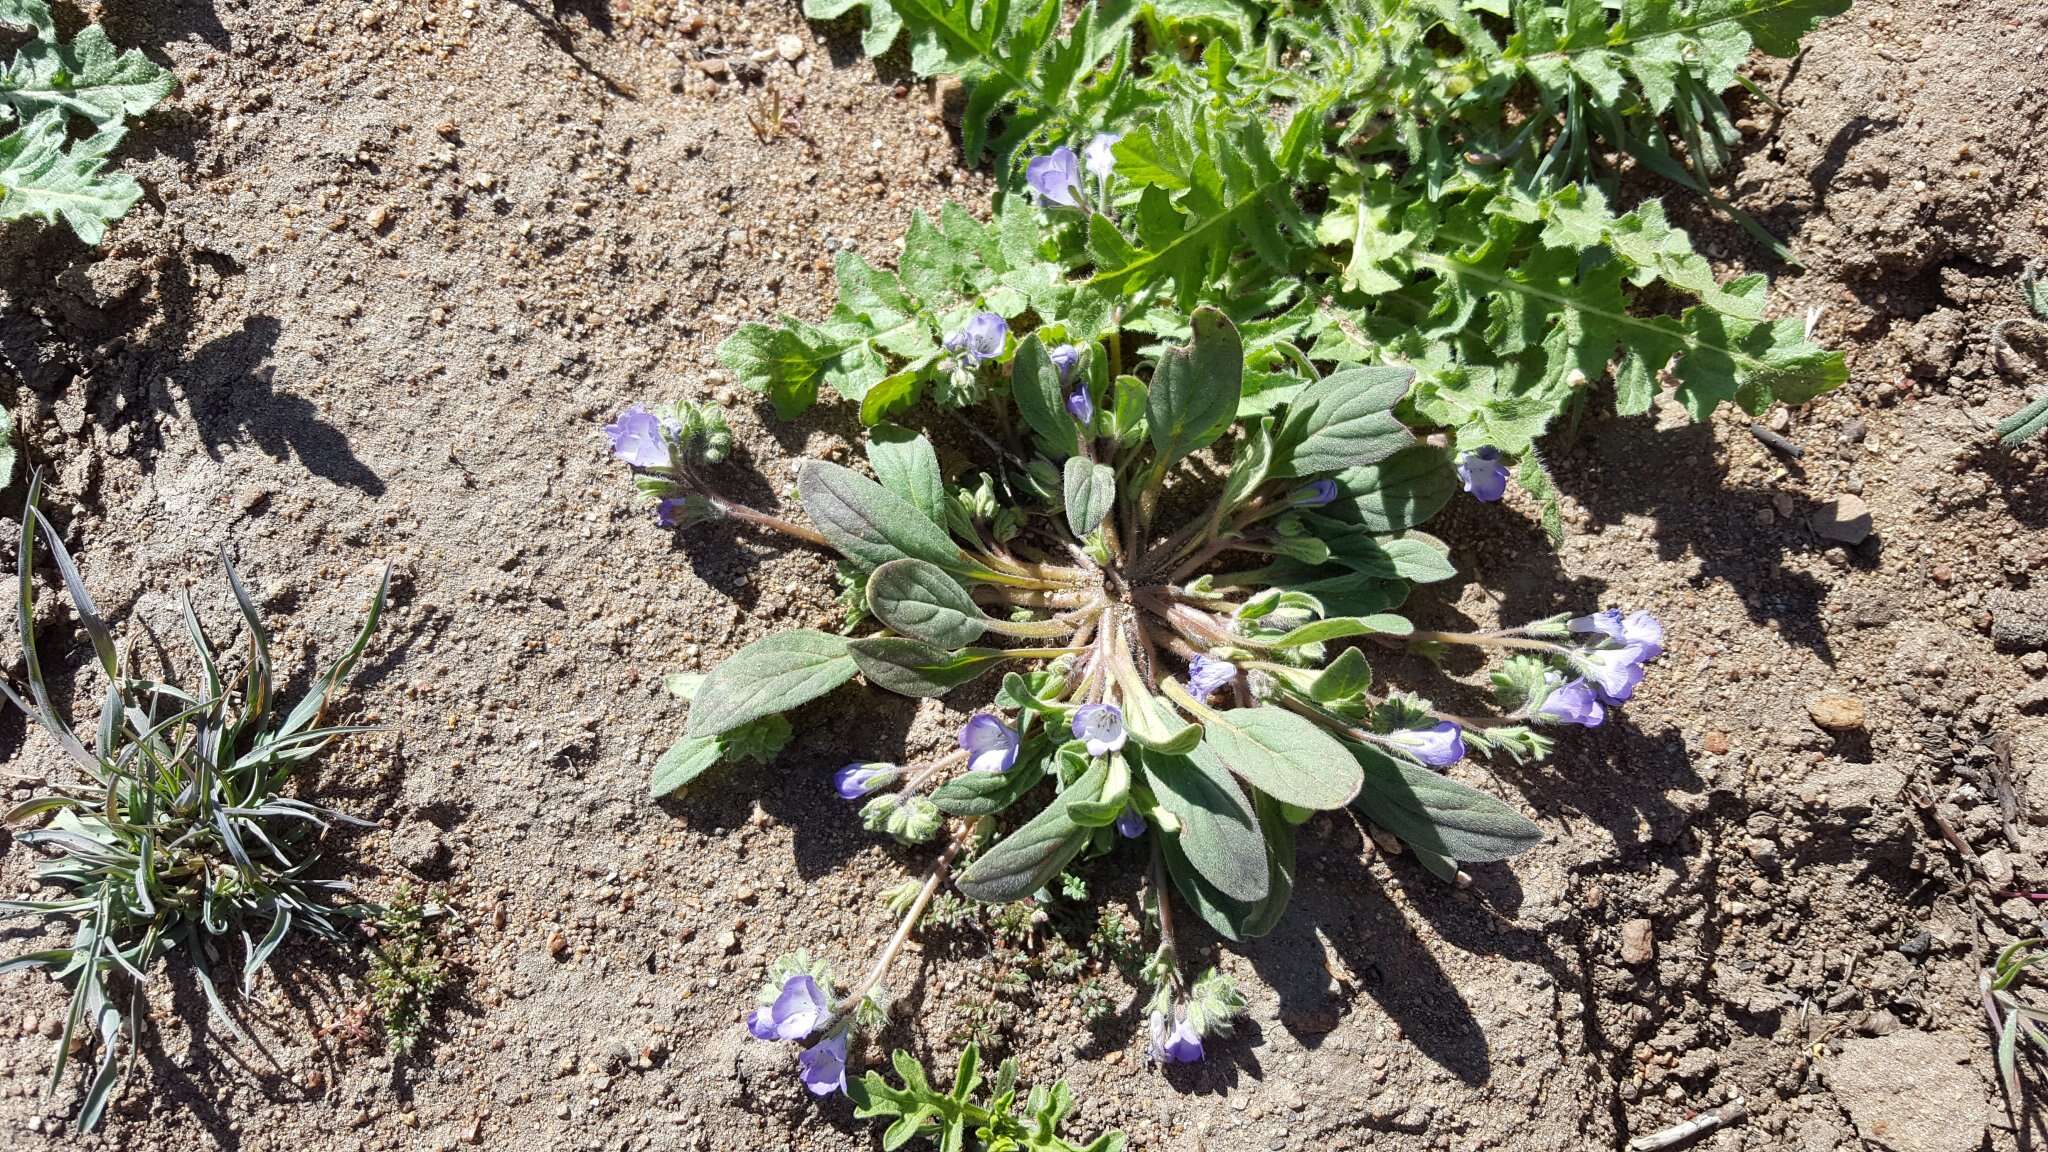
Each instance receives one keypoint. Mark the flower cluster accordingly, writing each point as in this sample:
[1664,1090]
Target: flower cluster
[794,1008]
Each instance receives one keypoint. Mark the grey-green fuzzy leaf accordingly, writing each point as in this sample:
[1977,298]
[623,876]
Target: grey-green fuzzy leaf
[1345,420]
[1035,385]
[1218,832]
[906,464]
[1024,861]
[1283,755]
[1193,395]
[921,601]
[868,523]
[773,674]
[1090,492]
[1433,812]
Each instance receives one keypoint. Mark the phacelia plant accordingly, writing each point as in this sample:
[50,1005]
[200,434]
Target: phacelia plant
[44,171]
[178,838]
[1197,688]
[1266,285]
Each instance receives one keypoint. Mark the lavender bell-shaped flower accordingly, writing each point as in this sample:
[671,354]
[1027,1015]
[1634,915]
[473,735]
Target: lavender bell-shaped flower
[1080,406]
[1573,703]
[981,338]
[1614,672]
[1129,824]
[1436,746]
[1100,155]
[1482,474]
[795,1014]
[1174,1042]
[822,1066]
[991,744]
[637,438]
[1206,675]
[1101,727]
[1064,358]
[1056,178]
[1314,495]
[857,780]
[1638,628]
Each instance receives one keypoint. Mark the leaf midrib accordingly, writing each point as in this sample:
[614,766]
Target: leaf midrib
[1697,26]
[1151,256]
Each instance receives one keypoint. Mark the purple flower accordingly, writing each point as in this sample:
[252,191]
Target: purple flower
[671,510]
[1206,675]
[1314,495]
[1574,703]
[1064,357]
[991,744]
[822,1066]
[1101,726]
[981,338]
[636,438]
[857,780]
[1482,474]
[1129,824]
[1638,628]
[794,1015]
[1436,746]
[1056,177]
[1081,407]
[1615,672]
[1098,155]
[1175,1043]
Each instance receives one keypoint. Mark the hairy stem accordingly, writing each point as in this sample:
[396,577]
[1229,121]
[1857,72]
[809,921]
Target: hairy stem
[932,880]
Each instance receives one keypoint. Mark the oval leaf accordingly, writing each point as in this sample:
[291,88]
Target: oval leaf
[987,793]
[1090,492]
[921,601]
[1283,755]
[1193,395]
[1435,813]
[906,464]
[1345,420]
[773,674]
[1027,859]
[868,523]
[914,668]
[1219,835]
[1340,627]
[685,760]
[1035,384]
[1399,492]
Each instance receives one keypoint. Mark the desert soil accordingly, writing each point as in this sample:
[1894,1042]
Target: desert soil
[401,259]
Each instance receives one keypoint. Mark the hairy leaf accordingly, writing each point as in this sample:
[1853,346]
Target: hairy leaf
[45,176]
[87,78]
[1024,861]
[906,464]
[1219,834]
[1193,396]
[1090,494]
[1345,420]
[1035,384]
[921,601]
[1283,755]
[868,523]
[1432,812]
[914,668]
[773,674]
[1398,493]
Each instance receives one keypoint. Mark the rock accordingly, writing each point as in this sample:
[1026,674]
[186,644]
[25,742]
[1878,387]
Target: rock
[2032,698]
[1845,519]
[1997,867]
[2019,620]
[1836,713]
[1638,942]
[790,47]
[1912,1092]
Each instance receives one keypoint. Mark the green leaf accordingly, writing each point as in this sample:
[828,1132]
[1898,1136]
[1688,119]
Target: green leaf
[1219,834]
[86,78]
[1234,919]
[1090,494]
[922,601]
[1346,676]
[987,793]
[906,464]
[1025,860]
[773,674]
[1345,420]
[1415,556]
[1397,493]
[1193,396]
[882,27]
[1283,755]
[40,177]
[1341,627]
[1035,385]
[1432,812]
[868,523]
[783,363]
[685,760]
[29,14]
[914,668]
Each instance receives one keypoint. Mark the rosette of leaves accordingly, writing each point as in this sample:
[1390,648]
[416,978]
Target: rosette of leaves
[1425,183]
[176,837]
[46,170]
[1212,607]
[973,1115]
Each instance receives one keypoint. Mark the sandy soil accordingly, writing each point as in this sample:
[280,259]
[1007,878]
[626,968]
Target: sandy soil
[400,260]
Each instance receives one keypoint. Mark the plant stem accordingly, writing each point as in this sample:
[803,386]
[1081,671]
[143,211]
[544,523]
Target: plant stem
[932,881]
[917,782]
[1484,640]
[755,516]
[1168,943]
